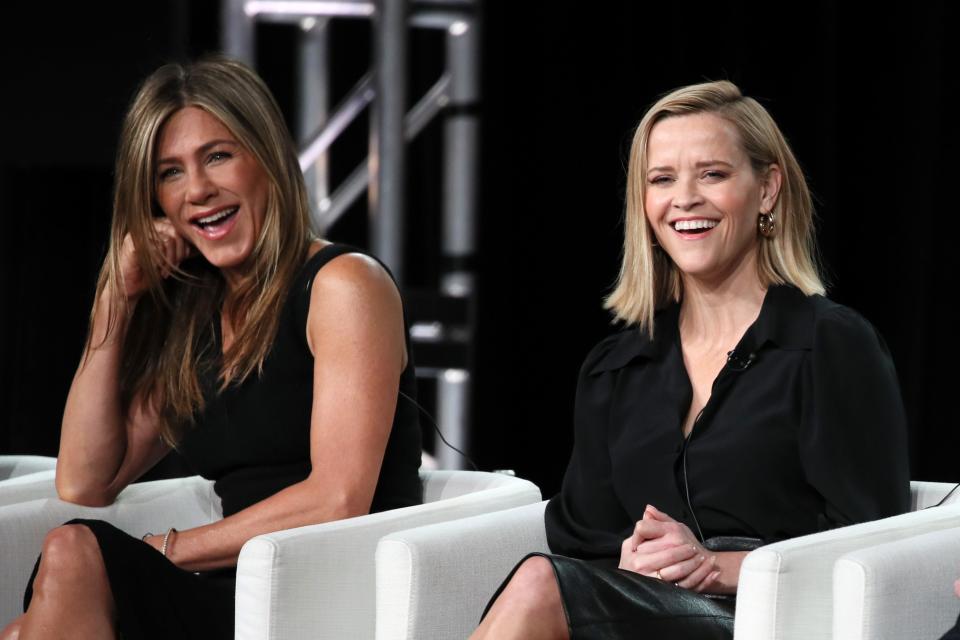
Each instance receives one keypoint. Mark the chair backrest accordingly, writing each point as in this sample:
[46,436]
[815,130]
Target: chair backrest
[14,466]
[928,494]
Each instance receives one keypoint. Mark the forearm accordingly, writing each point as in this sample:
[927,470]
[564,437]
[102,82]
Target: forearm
[93,435]
[218,545]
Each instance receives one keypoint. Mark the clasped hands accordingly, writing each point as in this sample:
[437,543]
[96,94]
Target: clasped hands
[663,548]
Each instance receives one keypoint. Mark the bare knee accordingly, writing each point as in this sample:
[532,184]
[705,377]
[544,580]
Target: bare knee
[533,585]
[70,557]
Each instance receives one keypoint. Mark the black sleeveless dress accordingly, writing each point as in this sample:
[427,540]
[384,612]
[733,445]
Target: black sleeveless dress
[252,440]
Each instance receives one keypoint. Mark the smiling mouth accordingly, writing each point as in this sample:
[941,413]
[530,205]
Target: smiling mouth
[218,218]
[690,227]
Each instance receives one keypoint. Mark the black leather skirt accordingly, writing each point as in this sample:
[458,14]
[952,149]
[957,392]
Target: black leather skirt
[601,601]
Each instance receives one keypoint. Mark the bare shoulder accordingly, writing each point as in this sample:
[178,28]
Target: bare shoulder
[353,276]
[353,301]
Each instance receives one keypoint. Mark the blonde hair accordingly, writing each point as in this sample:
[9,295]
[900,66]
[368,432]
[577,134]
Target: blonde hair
[169,336]
[648,278]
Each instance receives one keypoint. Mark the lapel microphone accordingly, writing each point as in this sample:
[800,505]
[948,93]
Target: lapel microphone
[738,363]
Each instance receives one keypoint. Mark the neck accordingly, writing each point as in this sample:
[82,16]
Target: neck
[719,311]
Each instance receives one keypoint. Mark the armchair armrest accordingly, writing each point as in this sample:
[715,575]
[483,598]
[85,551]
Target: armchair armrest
[901,589]
[318,581]
[785,590]
[434,581]
[156,506]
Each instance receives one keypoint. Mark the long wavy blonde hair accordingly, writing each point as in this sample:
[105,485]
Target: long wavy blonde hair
[648,278]
[169,334]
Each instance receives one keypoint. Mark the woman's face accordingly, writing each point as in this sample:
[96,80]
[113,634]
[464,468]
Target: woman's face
[703,196]
[211,188]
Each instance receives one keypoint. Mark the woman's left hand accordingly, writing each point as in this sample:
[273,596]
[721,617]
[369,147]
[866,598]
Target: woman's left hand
[658,533]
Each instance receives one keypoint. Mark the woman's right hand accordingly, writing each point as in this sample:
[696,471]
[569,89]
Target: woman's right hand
[172,247]
[663,548]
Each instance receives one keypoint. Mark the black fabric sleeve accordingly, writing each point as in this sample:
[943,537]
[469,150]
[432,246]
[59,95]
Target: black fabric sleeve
[581,519]
[853,441]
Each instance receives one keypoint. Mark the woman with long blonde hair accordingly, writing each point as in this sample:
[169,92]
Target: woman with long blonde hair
[734,410]
[276,363]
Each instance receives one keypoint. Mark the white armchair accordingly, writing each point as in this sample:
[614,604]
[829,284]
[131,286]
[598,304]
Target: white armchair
[314,581]
[429,588]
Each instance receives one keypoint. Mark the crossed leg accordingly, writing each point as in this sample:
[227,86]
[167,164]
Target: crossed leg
[529,607]
[71,592]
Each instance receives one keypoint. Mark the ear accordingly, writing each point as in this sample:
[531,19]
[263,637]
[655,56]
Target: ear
[770,189]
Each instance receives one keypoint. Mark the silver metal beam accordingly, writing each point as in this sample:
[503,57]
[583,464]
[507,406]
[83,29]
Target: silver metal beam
[314,100]
[387,159]
[358,98]
[238,31]
[330,210]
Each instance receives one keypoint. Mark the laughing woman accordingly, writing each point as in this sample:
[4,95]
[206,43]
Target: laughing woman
[740,406]
[277,364]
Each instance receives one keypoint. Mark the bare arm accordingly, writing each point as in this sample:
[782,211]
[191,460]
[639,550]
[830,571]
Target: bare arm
[355,331]
[101,449]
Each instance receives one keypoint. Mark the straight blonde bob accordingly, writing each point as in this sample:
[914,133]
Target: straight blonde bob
[169,337]
[649,280]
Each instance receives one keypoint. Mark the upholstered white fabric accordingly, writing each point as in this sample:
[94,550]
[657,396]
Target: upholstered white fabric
[786,589]
[27,487]
[148,506]
[433,582]
[319,581]
[900,589]
[13,466]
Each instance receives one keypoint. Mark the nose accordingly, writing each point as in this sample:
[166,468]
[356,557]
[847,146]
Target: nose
[687,195]
[200,188]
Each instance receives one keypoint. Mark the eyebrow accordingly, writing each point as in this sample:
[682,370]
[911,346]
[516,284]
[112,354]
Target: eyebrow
[699,165]
[201,150]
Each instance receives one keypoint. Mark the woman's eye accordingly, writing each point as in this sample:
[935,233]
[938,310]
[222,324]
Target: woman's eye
[715,175]
[660,180]
[217,156]
[169,173]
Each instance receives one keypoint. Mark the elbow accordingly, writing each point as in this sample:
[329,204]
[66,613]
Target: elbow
[345,505]
[82,495]
[339,503]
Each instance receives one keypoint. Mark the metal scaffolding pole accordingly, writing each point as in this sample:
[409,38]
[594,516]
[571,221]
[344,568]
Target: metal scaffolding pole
[314,99]
[387,158]
[460,139]
[239,29]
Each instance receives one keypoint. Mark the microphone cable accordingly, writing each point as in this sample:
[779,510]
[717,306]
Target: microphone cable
[436,428]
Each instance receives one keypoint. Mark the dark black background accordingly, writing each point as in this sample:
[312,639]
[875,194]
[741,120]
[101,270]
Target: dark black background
[864,98]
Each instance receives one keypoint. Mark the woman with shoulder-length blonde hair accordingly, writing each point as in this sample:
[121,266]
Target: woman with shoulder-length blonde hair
[221,327]
[731,412]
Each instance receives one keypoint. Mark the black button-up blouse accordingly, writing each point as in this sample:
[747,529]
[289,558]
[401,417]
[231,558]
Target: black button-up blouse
[804,431]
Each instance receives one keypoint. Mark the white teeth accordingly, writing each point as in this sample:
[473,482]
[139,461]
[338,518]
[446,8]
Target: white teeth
[220,215]
[689,225]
